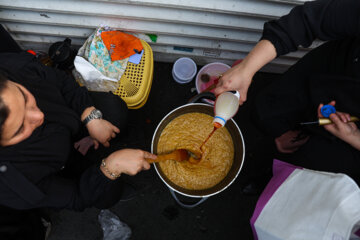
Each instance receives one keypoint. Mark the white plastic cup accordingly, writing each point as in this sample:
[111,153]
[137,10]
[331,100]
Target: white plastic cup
[184,70]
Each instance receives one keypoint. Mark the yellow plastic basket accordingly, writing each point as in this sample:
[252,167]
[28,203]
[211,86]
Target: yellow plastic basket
[135,83]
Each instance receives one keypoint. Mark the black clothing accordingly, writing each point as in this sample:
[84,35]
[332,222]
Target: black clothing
[323,19]
[329,72]
[295,97]
[31,175]
[21,224]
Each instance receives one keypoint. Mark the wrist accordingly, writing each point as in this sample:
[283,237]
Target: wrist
[94,114]
[108,170]
[86,112]
[246,70]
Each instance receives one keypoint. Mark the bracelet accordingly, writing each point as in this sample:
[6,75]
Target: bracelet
[113,175]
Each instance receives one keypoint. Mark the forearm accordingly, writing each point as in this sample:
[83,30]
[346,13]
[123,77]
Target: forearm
[322,19]
[260,55]
[240,76]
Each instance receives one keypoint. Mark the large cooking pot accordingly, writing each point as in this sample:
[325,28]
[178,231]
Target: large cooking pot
[239,152]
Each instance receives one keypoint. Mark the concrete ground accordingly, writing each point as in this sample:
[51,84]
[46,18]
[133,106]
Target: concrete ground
[153,214]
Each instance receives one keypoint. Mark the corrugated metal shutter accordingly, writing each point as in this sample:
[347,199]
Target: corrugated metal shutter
[205,30]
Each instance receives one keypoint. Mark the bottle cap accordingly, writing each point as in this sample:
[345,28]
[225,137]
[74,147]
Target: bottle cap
[219,121]
[326,110]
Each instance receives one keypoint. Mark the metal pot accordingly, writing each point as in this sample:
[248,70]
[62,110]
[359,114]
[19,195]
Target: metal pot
[239,153]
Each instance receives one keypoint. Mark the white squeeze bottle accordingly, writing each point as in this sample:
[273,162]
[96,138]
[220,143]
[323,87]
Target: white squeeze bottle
[226,106]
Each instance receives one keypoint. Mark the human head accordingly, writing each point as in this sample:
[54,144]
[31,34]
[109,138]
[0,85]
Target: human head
[4,110]
[19,114]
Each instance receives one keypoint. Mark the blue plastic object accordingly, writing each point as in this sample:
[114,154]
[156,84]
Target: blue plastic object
[326,110]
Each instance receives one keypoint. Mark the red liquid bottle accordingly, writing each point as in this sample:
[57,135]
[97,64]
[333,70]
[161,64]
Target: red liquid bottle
[226,106]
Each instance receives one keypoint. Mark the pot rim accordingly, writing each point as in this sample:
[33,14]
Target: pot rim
[198,195]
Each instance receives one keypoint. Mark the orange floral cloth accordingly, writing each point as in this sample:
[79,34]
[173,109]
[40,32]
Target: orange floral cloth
[121,45]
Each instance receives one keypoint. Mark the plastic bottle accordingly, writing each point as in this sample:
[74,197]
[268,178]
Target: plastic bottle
[226,106]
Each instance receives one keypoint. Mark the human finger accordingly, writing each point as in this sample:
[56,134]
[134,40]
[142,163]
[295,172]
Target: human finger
[332,103]
[115,129]
[149,155]
[220,89]
[348,117]
[345,117]
[76,145]
[243,97]
[106,144]
[220,81]
[113,135]
[146,165]
[96,144]
[335,119]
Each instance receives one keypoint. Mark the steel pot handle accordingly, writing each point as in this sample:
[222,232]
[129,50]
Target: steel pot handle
[202,95]
[189,206]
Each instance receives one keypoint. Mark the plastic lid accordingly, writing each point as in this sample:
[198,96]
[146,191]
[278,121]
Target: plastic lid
[326,110]
[184,70]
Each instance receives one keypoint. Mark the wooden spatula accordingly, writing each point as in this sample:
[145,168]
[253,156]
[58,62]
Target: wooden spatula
[177,155]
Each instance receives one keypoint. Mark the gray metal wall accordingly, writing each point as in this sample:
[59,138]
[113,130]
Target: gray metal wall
[205,30]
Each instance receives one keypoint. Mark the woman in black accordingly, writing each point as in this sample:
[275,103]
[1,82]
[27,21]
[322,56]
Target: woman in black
[43,112]
[35,173]
[329,74]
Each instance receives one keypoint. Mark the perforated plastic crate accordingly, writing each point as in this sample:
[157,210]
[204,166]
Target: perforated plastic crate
[135,83]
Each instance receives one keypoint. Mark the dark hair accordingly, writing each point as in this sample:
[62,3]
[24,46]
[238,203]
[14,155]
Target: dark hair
[4,110]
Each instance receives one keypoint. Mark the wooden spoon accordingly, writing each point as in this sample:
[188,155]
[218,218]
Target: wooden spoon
[177,155]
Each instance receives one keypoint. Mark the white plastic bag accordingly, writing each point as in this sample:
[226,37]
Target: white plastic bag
[304,204]
[92,78]
[94,68]
[113,228]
